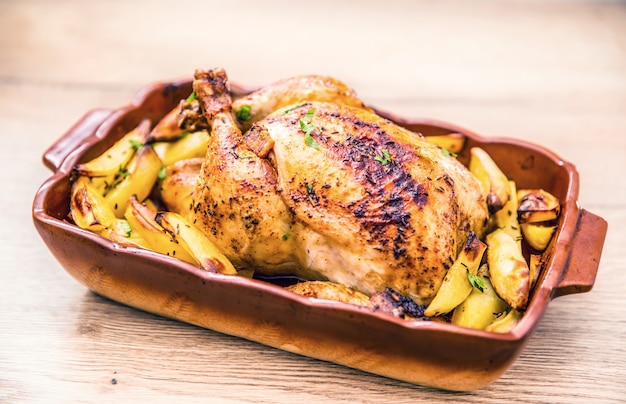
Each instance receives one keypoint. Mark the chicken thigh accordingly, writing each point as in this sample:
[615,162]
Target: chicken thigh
[330,190]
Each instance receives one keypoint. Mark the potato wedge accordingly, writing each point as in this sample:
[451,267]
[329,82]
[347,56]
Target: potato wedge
[506,322]
[452,142]
[142,220]
[537,205]
[456,286]
[506,218]
[120,232]
[329,291]
[537,235]
[139,180]
[187,146]
[87,206]
[196,243]
[481,308]
[508,270]
[495,184]
[117,156]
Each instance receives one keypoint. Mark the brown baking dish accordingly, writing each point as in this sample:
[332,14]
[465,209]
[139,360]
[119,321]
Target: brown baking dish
[423,352]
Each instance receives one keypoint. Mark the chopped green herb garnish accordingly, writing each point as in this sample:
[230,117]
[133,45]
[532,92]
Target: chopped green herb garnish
[308,128]
[308,117]
[385,158]
[477,281]
[135,144]
[243,113]
[161,174]
[285,236]
[122,172]
[448,153]
[192,96]
[309,141]
[125,227]
[291,108]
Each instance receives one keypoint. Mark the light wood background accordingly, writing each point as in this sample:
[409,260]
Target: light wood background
[551,72]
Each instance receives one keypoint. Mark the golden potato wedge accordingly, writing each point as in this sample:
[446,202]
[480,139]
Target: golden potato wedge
[537,205]
[508,270]
[120,232]
[452,142]
[188,146]
[329,291]
[538,235]
[117,156]
[456,286]
[87,206]
[506,218]
[142,221]
[495,184]
[481,307]
[196,243]
[505,322]
[138,180]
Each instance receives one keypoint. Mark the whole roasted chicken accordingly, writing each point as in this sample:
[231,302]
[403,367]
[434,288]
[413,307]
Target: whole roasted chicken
[302,178]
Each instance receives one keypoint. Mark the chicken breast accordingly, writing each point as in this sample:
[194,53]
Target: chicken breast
[325,190]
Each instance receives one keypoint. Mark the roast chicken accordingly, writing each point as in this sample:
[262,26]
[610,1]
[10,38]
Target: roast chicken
[311,182]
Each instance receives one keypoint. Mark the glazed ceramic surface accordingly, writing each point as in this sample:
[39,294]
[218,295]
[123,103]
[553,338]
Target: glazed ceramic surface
[428,353]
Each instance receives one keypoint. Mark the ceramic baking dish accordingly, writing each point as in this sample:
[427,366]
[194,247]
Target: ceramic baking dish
[427,353]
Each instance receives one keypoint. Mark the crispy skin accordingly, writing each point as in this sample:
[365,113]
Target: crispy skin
[294,90]
[359,200]
[237,203]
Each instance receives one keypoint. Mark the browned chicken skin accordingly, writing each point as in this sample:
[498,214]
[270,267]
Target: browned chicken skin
[330,190]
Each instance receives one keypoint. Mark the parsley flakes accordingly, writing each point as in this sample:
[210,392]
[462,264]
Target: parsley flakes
[307,127]
[135,144]
[384,158]
[477,281]
[243,113]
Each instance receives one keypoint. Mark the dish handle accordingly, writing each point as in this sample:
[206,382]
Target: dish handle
[57,153]
[584,258]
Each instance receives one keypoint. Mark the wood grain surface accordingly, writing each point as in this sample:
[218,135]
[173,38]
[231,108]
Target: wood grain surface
[553,73]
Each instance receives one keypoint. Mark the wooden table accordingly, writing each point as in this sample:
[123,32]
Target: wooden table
[552,73]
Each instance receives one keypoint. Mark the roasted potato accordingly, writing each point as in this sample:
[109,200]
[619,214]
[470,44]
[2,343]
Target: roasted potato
[188,145]
[456,285]
[142,221]
[538,236]
[452,142]
[508,270]
[537,205]
[140,177]
[482,307]
[329,291]
[196,243]
[495,184]
[88,207]
[506,322]
[506,218]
